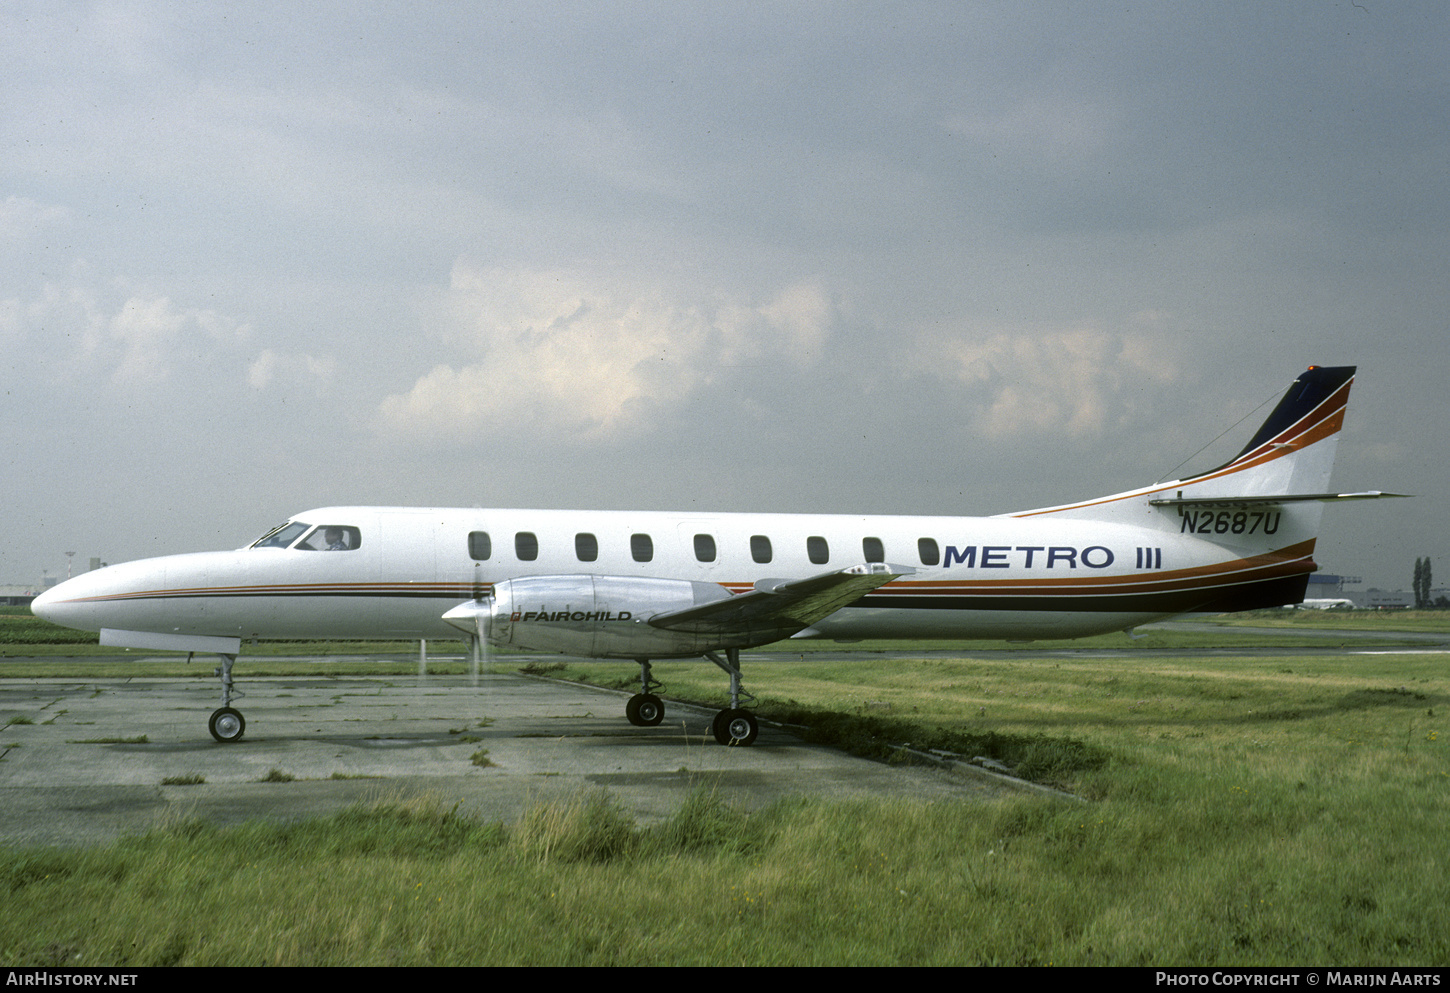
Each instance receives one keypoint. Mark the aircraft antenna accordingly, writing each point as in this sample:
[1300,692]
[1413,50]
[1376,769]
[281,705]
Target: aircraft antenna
[1172,473]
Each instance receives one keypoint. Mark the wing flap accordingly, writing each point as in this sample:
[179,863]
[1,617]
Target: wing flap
[776,605]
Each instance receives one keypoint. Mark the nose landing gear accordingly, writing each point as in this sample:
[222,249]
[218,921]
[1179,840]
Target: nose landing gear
[227,725]
[644,709]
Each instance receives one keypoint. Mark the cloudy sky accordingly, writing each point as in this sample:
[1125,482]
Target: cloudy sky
[918,258]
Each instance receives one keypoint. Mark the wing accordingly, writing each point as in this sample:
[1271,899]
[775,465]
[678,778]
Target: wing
[780,607]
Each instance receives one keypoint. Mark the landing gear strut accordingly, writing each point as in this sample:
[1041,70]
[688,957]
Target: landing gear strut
[644,709]
[227,725]
[734,725]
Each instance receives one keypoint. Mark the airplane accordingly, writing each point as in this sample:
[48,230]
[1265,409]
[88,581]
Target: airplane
[653,585]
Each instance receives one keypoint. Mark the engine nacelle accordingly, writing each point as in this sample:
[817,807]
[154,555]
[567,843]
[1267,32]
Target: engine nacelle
[597,616]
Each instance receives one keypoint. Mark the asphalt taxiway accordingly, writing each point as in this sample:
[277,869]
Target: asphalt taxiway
[86,760]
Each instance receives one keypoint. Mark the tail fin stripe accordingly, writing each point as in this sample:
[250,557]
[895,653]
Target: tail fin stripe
[1324,420]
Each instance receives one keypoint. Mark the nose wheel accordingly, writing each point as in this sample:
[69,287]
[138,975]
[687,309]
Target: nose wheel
[227,725]
[644,709]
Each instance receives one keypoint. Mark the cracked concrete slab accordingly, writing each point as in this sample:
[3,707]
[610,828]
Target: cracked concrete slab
[86,760]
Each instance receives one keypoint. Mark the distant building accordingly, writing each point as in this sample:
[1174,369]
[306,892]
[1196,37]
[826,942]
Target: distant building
[15,595]
[1328,586]
[1387,599]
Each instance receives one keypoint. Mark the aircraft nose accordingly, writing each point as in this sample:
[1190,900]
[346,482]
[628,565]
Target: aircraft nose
[80,602]
[52,606]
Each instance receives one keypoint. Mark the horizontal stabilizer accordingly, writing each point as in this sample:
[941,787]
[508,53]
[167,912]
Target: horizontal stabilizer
[1268,501]
[783,606]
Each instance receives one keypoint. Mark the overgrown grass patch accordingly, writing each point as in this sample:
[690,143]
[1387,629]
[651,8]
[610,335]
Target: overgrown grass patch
[1074,714]
[1038,757]
[1176,866]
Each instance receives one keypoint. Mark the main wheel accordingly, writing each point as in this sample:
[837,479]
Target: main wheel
[227,725]
[644,710]
[735,727]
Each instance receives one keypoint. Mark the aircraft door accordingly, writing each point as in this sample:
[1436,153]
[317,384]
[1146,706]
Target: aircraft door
[408,572]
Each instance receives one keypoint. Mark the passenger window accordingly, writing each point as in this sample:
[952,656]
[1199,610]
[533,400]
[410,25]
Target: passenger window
[642,547]
[760,548]
[817,550]
[927,550]
[526,546]
[586,546]
[871,548]
[480,546]
[705,547]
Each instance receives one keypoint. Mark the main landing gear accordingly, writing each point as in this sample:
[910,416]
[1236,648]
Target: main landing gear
[732,726]
[227,725]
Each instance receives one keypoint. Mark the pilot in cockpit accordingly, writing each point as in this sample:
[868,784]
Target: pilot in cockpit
[336,539]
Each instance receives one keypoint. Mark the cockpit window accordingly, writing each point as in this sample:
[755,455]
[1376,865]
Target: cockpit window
[331,538]
[321,538]
[281,536]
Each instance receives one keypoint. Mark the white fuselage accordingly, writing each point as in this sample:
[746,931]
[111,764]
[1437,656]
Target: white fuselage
[403,568]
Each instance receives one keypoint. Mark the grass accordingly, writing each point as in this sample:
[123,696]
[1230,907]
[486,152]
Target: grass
[1430,621]
[1222,867]
[1054,720]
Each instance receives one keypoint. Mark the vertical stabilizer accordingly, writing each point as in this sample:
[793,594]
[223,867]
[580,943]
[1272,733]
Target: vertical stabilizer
[1290,457]
[1293,450]
[1250,524]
